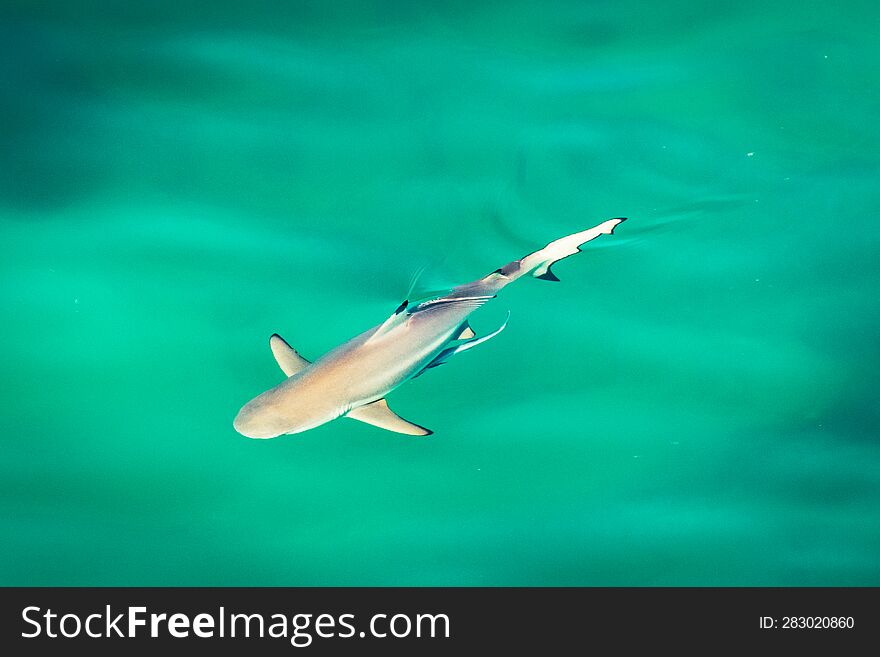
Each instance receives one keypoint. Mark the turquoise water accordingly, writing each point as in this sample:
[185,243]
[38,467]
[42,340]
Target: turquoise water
[693,404]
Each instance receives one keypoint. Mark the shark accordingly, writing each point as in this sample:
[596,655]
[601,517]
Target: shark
[354,379]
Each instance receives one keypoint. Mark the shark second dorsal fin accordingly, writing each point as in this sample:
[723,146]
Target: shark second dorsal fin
[379,415]
[286,356]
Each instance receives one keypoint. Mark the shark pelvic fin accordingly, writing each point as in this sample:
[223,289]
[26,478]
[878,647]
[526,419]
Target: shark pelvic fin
[465,332]
[286,356]
[446,354]
[379,415]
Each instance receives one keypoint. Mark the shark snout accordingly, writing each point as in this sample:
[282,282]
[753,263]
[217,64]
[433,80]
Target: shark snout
[250,424]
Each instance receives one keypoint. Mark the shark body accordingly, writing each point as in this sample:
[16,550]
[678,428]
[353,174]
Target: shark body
[353,379]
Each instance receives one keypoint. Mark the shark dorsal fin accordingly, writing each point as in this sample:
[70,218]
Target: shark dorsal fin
[286,356]
[398,316]
[379,415]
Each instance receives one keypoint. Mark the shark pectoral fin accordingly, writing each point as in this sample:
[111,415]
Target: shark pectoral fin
[379,415]
[286,356]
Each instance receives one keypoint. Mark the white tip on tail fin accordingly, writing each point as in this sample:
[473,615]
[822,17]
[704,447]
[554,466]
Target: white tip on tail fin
[539,262]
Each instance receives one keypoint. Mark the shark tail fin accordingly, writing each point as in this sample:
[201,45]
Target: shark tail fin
[539,262]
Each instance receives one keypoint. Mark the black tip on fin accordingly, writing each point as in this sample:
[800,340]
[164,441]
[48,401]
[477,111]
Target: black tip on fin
[548,276]
[621,220]
[401,307]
